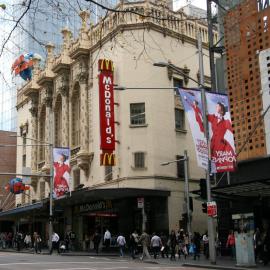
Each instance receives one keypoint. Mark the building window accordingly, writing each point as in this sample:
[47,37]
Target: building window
[76,120]
[139,160]
[24,160]
[58,122]
[179,119]
[137,114]
[42,121]
[177,83]
[108,173]
[180,167]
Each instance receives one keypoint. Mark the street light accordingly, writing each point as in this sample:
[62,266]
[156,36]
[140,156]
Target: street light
[185,159]
[210,224]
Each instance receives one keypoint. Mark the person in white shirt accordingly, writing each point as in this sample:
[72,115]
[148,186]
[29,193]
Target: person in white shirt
[27,240]
[55,242]
[156,244]
[107,239]
[121,241]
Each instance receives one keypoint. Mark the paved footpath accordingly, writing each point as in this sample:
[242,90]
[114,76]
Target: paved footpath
[84,261]
[24,261]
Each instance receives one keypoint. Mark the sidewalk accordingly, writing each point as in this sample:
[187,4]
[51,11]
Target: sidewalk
[223,263]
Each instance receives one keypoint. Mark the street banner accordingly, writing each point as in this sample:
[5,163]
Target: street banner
[212,209]
[61,164]
[192,103]
[222,148]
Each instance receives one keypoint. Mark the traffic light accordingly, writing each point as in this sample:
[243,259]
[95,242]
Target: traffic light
[204,207]
[190,204]
[203,189]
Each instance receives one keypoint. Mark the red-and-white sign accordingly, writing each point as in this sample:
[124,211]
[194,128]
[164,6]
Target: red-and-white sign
[211,209]
[106,106]
[140,202]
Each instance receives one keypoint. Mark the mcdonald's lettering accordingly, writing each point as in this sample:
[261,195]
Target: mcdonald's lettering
[105,65]
[106,106]
[107,159]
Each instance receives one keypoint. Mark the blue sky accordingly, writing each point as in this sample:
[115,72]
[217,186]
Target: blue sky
[198,3]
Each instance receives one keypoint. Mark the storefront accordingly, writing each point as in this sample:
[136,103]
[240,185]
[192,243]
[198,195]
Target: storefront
[88,210]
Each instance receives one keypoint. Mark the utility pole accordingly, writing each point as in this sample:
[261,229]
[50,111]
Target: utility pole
[187,193]
[211,46]
[210,221]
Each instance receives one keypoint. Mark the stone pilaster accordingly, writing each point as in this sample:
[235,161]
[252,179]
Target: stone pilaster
[65,117]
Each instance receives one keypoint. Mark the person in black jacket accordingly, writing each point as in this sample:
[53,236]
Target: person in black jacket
[172,244]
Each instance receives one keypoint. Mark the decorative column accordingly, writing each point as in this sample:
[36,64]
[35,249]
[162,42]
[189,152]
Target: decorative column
[48,126]
[34,124]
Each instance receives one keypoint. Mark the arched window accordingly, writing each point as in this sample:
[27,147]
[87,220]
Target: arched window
[42,120]
[75,118]
[58,121]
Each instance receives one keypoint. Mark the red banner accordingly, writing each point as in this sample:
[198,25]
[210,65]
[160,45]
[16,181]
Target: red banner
[106,106]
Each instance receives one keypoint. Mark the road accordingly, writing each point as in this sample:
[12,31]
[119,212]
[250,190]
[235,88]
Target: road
[20,261]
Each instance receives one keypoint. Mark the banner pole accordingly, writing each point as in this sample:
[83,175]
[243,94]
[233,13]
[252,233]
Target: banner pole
[210,221]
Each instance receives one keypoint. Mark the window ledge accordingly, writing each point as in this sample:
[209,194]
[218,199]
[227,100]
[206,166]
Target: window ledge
[138,126]
[139,169]
[180,130]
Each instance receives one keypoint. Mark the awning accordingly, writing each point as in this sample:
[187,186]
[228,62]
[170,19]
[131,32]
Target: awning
[22,209]
[257,188]
[89,195]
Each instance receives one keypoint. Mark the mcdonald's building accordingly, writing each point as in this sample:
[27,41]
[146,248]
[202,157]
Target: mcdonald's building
[120,118]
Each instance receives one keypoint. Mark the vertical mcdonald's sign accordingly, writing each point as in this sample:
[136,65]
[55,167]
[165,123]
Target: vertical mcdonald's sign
[106,110]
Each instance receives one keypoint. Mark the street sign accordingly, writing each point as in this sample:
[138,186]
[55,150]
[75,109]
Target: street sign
[140,202]
[212,209]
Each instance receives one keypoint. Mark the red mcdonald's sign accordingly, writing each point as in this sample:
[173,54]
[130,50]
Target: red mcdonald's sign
[106,110]
[107,159]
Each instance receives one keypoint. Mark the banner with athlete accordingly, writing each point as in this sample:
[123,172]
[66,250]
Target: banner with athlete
[192,103]
[222,148]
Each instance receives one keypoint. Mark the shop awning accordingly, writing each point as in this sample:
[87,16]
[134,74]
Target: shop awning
[22,209]
[257,188]
[88,194]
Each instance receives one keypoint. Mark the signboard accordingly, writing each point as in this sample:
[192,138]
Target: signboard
[192,102]
[106,110]
[98,205]
[61,179]
[211,209]
[140,202]
[222,149]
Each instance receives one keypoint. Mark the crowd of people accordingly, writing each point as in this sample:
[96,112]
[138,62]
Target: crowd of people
[19,240]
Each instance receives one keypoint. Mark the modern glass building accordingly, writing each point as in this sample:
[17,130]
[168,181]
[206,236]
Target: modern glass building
[42,24]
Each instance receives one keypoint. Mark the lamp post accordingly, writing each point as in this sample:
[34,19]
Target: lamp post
[42,143]
[210,222]
[185,159]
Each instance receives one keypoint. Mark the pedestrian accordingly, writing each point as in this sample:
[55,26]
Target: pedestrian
[121,241]
[87,242]
[72,240]
[96,240]
[180,242]
[3,240]
[206,245]
[133,243]
[67,241]
[164,247]
[107,239]
[231,243]
[37,242]
[266,243]
[258,244]
[27,240]
[55,243]
[156,244]
[196,244]
[145,241]
[186,240]
[172,244]
[18,240]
